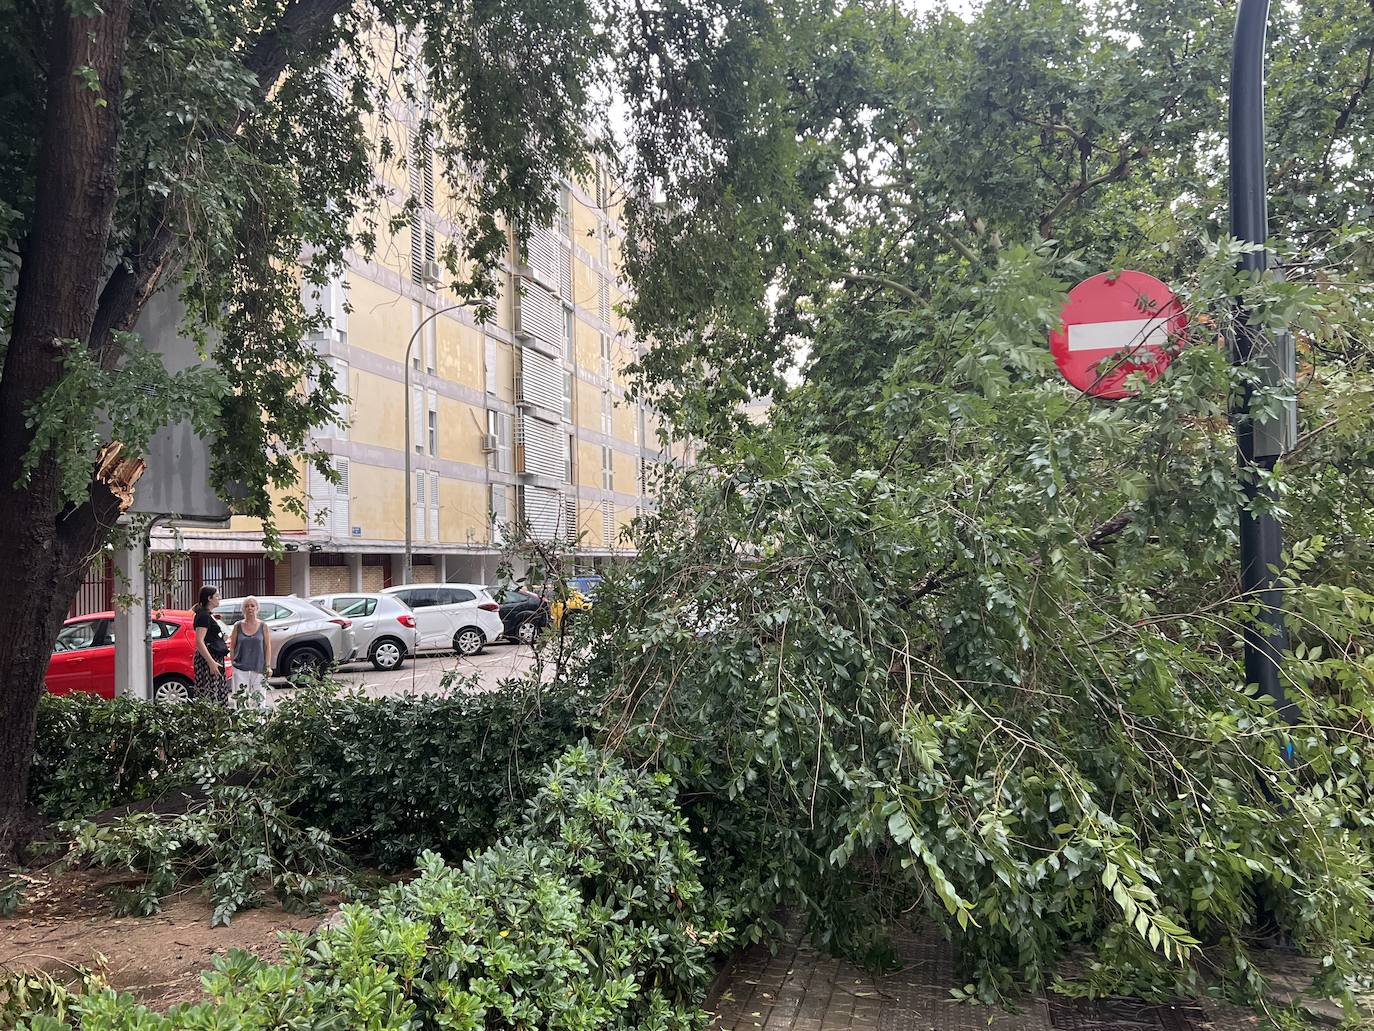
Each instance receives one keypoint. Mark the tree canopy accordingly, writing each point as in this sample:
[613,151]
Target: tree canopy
[947,636]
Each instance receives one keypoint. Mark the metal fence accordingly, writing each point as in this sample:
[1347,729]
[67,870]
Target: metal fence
[174,580]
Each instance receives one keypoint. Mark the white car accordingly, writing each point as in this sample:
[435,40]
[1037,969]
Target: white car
[383,626]
[452,617]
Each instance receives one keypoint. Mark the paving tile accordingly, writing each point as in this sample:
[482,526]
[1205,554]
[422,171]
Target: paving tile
[802,989]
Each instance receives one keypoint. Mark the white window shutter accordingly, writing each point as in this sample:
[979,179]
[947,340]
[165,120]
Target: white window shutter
[319,493]
[417,249]
[339,524]
[434,506]
[420,504]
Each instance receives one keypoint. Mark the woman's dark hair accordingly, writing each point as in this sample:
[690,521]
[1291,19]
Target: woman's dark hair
[206,593]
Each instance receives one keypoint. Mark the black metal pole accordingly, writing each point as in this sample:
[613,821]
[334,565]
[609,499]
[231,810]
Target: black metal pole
[1259,442]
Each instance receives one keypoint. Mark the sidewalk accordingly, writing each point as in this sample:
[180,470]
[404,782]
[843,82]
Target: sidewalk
[801,989]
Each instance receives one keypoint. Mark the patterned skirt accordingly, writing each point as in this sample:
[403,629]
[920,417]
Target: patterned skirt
[210,682]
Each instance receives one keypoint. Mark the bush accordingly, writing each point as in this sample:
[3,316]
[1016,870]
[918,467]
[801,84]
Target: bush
[275,798]
[592,917]
[92,753]
[393,777]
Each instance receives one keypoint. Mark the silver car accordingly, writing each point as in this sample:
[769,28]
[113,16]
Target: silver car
[304,636]
[383,626]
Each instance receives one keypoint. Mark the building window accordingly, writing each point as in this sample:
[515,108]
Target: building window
[572,451]
[417,419]
[434,506]
[433,432]
[608,524]
[499,428]
[416,314]
[565,210]
[489,364]
[422,246]
[606,355]
[568,396]
[419,522]
[603,185]
[498,502]
[607,468]
[430,334]
[606,412]
[569,332]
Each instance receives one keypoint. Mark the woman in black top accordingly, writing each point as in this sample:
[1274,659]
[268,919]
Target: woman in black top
[210,648]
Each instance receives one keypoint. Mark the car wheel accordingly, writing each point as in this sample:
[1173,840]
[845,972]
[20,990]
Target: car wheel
[387,653]
[527,632]
[305,661]
[468,641]
[172,690]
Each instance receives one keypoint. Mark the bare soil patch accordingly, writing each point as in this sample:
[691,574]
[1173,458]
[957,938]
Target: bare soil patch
[66,922]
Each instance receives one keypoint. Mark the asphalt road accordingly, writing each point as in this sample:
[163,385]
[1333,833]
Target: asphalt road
[425,675]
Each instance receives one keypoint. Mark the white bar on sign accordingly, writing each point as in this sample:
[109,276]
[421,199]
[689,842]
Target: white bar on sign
[1118,336]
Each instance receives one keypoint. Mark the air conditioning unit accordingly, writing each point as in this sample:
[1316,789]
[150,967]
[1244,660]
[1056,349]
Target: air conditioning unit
[490,442]
[434,273]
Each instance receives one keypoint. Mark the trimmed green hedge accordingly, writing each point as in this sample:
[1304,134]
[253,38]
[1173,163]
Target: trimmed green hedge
[92,753]
[388,778]
[393,777]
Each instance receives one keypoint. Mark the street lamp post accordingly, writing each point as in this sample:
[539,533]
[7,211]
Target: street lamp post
[1270,359]
[410,498]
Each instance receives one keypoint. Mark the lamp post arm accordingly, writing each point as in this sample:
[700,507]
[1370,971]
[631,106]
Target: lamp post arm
[410,444]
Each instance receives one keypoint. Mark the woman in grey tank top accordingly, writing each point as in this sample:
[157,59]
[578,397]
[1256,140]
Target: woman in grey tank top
[250,644]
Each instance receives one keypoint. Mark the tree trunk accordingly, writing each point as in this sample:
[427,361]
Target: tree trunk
[62,269]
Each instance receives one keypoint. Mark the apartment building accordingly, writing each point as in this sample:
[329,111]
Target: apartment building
[522,417]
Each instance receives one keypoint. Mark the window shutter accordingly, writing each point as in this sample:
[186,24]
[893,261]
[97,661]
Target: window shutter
[339,524]
[420,504]
[434,506]
[320,497]
[498,504]
[608,524]
[417,249]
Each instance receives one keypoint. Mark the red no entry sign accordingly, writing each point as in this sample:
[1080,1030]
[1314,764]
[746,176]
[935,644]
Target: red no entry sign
[1114,327]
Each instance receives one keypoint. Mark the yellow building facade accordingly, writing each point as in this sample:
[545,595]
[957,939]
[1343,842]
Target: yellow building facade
[521,418]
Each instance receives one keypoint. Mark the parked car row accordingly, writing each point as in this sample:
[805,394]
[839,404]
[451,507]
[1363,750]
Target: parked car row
[384,628]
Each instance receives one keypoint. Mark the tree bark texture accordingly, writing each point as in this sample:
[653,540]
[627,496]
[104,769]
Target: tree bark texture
[60,279]
[71,287]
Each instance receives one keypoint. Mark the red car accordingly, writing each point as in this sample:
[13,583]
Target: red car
[84,660]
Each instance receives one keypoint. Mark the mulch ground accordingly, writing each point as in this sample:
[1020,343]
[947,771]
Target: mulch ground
[65,922]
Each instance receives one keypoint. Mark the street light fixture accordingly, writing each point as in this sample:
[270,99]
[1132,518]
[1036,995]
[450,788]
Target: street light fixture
[410,499]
